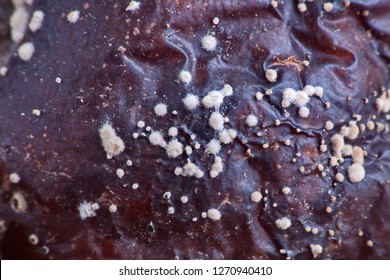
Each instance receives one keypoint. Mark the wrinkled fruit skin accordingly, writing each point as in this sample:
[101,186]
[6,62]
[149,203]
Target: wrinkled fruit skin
[61,161]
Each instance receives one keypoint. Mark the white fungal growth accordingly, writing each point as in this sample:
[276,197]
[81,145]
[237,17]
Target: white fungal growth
[213,99]
[113,208]
[184,199]
[170,210]
[357,155]
[209,43]
[256,196]
[185,76]
[87,209]
[316,250]
[157,139]
[328,6]
[216,121]
[353,132]
[73,16]
[36,21]
[18,22]
[173,131]
[383,102]
[3,71]
[286,190]
[319,91]
[259,95]
[120,172]
[135,186]
[302,7]
[216,168]
[113,145]
[33,239]
[213,147]
[214,214]
[329,125]
[191,101]
[304,112]
[189,170]
[167,195]
[160,109]
[302,98]
[174,148]
[271,75]
[188,150]
[18,203]
[310,90]
[26,51]
[251,120]
[14,178]
[133,6]
[58,80]
[227,90]
[227,136]
[347,150]
[283,223]
[339,177]
[356,173]
[338,143]
[141,124]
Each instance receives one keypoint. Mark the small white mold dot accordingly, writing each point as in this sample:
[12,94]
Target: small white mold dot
[133,6]
[113,208]
[329,125]
[259,95]
[33,239]
[271,75]
[173,131]
[160,109]
[73,16]
[251,120]
[283,223]
[135,186]
[171,210]
[14,178]
[120,172]
[36,21]
[209,43]
[304,112]
[356,173]
[328,6]
[36,112]
[26,51]
[156,139]
[185,76]
[214,214]
[174,148]
[129,162]
[58,80]
[87,209]
[140,124]
[213,147]
[256,196]
[112,144]
[3,71]
[216,121]
[191,101]
[339,177]
[316,250]
[215,21]
[184,199]
[302,7]
[167,195]
[286,190]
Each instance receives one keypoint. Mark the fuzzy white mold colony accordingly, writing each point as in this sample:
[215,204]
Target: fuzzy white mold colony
[338,143]
[173,131]
[329,125]
[185,76]
[213,147]
[356,173]
[73,16]
[316,250]
[133,6]
[286,190]
[259,95]
[213,99]
[227,136]
[36,21]
[256,196]
[271,75]
[87,209]
[156,139]
[191,101]
[302,7]
[251,120]
[209,43]
[383,102]
[14,178]
[141,124]
[304,112]
[216,168]
[214,214]
[58,80]
[26,51]
[18,23]
[171,210]
[174,148]
[283,223]
[112,144]
[33,239]
[189,170]
[215,21]
[328,6]
[216,121]
[160,109]
[135,186]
